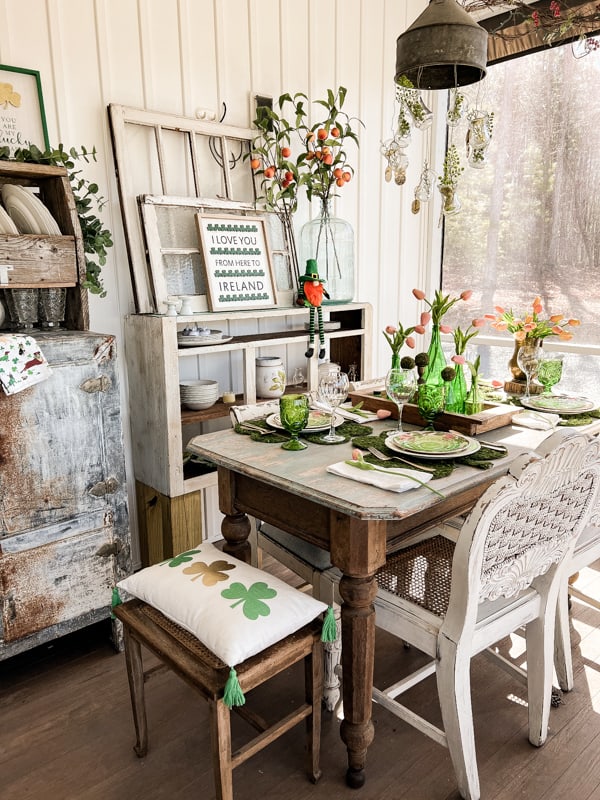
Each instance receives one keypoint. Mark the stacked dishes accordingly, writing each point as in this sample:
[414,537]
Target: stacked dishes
[199,395]
[28,213]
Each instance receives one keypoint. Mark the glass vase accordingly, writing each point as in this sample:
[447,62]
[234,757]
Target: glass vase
[456,393]
[395,361]
[513,365]
[330,241]
[474,399]
[437,360]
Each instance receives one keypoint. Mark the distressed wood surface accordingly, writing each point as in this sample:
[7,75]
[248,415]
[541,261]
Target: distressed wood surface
[64,537]
[42,261]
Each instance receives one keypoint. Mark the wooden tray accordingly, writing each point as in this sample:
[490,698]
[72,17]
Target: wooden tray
[494,415]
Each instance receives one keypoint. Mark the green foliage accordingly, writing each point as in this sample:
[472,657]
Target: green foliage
[96,238]
[322,160]
[452,168]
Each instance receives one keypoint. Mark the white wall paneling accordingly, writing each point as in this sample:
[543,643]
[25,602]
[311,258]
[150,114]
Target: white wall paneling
[179,56]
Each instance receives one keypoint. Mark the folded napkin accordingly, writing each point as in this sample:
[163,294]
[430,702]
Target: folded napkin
[392,479]
[537,420]
[21,363]
[347,413]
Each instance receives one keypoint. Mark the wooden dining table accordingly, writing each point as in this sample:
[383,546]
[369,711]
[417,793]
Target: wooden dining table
[358,524]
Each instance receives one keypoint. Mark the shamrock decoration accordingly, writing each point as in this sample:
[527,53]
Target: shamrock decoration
[212,574]
[252,598]
[181,558]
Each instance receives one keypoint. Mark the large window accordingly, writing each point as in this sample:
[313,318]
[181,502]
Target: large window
[530,219]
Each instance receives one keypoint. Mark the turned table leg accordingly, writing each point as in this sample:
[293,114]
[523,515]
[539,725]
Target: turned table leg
[236,529]
[358,649]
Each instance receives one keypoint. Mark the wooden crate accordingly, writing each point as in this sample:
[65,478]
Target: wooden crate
[494,415]
[47,261]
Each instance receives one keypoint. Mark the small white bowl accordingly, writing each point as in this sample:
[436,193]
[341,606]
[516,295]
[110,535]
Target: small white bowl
[199,406]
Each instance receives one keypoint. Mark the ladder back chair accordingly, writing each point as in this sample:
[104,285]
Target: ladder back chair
[452,600]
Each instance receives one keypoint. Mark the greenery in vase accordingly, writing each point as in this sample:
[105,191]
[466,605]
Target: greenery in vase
[96,238]
[451,170]
[322,163]
[455,111]
[439,306]
[397,336]
[409,97]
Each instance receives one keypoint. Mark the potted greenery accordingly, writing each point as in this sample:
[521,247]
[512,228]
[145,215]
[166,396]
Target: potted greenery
[96,238]
[448,181]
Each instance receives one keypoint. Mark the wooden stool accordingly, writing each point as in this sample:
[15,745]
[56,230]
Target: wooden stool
[200,668]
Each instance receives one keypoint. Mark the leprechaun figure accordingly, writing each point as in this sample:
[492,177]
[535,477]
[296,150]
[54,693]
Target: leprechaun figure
[310,294]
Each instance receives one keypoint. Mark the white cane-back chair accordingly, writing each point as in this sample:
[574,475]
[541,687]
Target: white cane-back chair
[452,600]
[312,564]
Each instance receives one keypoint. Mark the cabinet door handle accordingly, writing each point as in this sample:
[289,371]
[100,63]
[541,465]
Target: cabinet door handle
[100,384]
[102,488]
[109,549]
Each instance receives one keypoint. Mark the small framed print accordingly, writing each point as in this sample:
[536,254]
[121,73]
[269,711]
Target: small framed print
[237,260]
[22,117]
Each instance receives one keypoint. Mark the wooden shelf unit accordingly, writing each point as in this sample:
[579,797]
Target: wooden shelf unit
[155,365]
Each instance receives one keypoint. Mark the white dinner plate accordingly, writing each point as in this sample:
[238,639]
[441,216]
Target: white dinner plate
[202,341]
[28,211]
[7,224]
[472,448]
[317,421]
[560,404]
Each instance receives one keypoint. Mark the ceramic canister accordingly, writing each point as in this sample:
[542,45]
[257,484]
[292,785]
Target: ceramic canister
[270,376]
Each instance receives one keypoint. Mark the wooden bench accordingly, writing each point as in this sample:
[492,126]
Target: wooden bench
[181,652]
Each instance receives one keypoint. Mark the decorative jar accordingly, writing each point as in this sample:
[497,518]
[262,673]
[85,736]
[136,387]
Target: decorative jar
[330,241]
[270,377]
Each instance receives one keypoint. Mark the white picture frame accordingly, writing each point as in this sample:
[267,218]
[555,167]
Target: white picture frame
[237,262]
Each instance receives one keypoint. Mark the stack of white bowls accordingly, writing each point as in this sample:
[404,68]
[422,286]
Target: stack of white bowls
[199,395]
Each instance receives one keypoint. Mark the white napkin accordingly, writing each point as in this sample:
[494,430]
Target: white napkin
[347,413]
[536,419]
[22,363]
[393,479]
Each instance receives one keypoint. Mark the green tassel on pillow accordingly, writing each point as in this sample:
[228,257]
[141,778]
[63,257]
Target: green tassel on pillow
[116,600]
[329,632]
[233,695]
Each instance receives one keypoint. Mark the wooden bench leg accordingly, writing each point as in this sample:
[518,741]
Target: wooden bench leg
[220,736]
[313,675]
[135,675]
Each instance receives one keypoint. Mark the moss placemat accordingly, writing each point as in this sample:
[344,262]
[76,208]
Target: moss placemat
[346,429]
[482,459]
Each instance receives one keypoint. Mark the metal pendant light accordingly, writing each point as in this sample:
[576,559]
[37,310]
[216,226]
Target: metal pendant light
[443,48]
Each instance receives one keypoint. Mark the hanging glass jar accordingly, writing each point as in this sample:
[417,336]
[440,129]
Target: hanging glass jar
[479,135]
[330,241]
[436,359]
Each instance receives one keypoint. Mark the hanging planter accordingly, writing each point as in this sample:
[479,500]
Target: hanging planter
[479,135]
[448,181]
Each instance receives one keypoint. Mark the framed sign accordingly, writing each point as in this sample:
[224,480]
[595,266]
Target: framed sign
[237,261]
[22,117]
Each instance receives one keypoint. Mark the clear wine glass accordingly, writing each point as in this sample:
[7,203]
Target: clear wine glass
[332,391]
[400,385]
[528,359]
[431,399]
[293,413]
[550,371]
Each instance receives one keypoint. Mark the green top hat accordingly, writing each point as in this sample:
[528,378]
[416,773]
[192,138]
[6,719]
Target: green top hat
[312,272]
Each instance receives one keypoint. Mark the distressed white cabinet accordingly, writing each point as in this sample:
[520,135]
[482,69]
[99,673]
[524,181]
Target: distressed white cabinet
[168,496]
[64,533]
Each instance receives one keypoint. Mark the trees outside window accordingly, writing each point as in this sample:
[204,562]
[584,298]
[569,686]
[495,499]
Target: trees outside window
[530,220]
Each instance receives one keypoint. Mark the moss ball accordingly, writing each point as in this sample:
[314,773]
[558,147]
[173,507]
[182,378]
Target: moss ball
[422,360]
[407,362]
[448,373]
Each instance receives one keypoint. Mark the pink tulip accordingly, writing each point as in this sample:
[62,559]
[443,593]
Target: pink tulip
[357,455]
[410,342]
[420,329]
[498,309]
[574,322]
[497,384]
[466,295]
[420,295]
[390,329]
[557,329]
[478,323]
[556,318]
[489,316]
[446,328]
[500,326]
[520,336]
[425,318]
[459,359]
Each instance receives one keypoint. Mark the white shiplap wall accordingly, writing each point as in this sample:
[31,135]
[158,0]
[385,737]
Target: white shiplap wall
[181,55]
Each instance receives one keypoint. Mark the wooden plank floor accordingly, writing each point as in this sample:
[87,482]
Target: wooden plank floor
[66,732]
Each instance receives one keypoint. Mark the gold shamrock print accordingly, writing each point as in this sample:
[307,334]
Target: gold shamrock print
[211,573]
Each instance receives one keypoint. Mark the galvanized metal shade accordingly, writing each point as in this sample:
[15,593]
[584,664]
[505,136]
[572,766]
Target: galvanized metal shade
[443,48]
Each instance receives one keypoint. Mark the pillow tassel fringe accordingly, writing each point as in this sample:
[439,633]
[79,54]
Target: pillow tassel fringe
[115,600]
[329,631]
[233,695]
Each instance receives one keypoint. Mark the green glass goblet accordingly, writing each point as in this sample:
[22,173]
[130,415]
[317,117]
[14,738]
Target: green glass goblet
[430,400]
[293,413]
[550,371]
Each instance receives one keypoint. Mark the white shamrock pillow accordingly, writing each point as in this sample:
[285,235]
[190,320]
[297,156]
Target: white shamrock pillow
[233,608]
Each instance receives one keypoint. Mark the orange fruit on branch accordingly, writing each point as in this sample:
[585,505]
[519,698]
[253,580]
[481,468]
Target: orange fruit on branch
[286,152]
[322,134]
[255,163]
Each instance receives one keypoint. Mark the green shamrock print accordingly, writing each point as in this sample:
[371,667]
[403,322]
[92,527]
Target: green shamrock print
[252,598]
[181,558]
